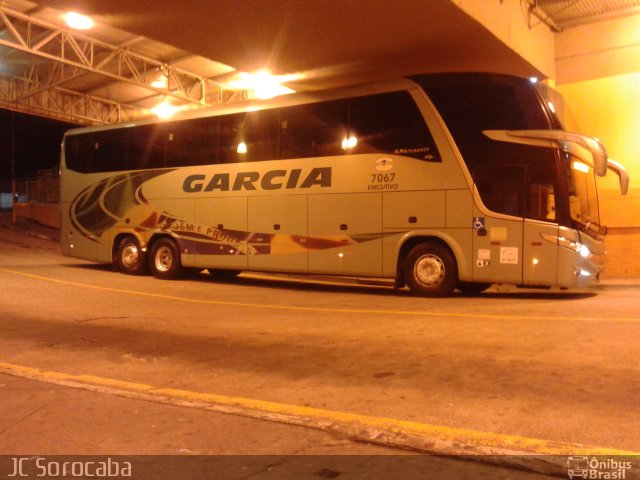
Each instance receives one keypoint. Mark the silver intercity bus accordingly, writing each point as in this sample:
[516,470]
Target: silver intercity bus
[436,181]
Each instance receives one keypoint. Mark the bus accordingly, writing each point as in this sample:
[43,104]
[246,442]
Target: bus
[437,182]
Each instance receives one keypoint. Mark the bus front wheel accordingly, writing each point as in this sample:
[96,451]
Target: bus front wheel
[430,270]
[164,259]
[129,257]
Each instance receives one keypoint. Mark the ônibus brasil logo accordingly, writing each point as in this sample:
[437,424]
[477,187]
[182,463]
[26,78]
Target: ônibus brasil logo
[594,468]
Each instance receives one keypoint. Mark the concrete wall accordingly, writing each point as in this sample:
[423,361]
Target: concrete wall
[47,214]
[508,21]
[598,76]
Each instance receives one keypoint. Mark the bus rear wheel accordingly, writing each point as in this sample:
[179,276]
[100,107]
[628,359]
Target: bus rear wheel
[164,259]
[129,257]
[430,270]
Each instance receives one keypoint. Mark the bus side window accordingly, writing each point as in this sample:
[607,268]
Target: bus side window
[390,123]
[232,145]
[259,133]
[501,188]
[312,130]
[147,146]
[110,150]
[192,142]
[79,152]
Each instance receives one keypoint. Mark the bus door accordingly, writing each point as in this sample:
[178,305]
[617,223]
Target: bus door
[540,254]
[497,239]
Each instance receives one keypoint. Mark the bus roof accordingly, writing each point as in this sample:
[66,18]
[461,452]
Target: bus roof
[314,96]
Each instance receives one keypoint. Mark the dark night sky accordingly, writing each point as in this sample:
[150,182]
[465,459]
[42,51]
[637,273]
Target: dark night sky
[37,144]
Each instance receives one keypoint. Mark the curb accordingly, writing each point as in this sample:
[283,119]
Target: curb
[536,455]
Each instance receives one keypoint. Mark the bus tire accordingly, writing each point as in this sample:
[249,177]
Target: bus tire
[129,257]
[430,270]
[472,288]
[164,259]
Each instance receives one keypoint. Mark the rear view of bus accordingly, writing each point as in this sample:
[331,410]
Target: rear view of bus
[532,181]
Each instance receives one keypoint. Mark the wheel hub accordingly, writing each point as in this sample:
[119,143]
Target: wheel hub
[164,259]
[429,270]
[130,255]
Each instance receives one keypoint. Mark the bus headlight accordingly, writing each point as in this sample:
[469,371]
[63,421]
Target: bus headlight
[583,250]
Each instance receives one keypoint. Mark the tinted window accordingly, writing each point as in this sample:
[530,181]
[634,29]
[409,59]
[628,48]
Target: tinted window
[111,150]
[104,151]
[390,123]
[313,130]
[469,109]
[79,153]
[501,189]
[192,142]
[259,132]
[513,179]
[231,138]
[526,188]
[147,146]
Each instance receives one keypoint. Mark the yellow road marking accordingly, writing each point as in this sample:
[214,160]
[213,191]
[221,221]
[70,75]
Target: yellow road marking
[387,431]
[311,309]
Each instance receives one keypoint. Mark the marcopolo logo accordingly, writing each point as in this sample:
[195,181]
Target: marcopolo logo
[597,468]
[384,164]
[269,180]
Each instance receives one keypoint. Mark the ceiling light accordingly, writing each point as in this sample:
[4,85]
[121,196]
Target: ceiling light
[348,143]
[160,82]
[165,110]
[263,84]
[78,21]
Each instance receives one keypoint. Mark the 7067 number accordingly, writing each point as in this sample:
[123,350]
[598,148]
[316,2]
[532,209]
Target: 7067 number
[382,177]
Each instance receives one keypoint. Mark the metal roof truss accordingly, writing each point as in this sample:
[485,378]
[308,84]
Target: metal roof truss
[66,55]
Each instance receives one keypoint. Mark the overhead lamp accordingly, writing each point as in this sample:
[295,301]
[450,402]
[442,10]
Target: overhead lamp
[162,78]
[263,84]
[165,110]
[78,21]
[348,143]
[161,82]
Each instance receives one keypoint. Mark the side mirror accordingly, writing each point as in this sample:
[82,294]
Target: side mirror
[619,170]
[587,149]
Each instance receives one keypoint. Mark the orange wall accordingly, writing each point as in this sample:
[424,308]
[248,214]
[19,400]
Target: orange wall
[598,76]
[609,108]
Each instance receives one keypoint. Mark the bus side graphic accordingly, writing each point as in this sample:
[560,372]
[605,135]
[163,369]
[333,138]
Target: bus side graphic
[119,201]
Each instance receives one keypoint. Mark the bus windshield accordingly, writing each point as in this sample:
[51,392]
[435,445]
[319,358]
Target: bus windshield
[513,179]
[583,196]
